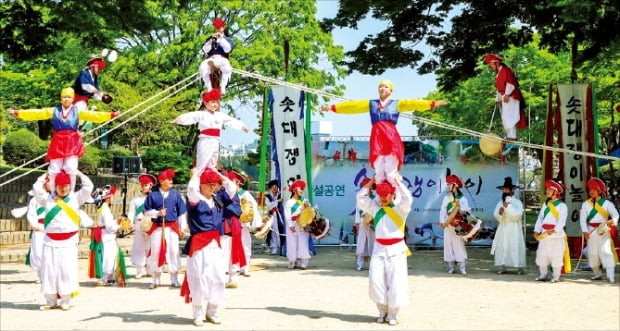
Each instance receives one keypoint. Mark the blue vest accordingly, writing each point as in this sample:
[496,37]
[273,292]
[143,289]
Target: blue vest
[70,123]
[390,113]
[174,204]
[204,218]
[84,77]
[232,207]
[217,49]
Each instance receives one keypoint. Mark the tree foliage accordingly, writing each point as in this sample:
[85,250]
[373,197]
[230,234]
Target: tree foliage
[585,28]
[33,28]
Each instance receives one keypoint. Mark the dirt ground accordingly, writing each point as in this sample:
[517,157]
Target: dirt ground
[330,295]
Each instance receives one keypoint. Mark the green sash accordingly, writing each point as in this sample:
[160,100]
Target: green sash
[551,208]
[61,204]
[298,203]
[139,210]
[393,215]
[597,209]
[451,204]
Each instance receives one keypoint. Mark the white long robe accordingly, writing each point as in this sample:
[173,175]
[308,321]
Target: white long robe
[509,245]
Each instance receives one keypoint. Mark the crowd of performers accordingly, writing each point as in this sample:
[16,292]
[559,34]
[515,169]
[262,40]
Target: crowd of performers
[219,244]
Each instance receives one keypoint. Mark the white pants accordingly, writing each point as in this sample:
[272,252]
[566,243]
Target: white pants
[510,117]
[207,153]
[233,269]
[59,272]
[550,252]
[387,278]
[386,168]
[246,241]
[68,165]
[220,62]
[173,257]
[205,277]
[453,246]
[139,249]
[599,250]
[36,251]
[297,246]
[274,236]
[365,243]
[109,255]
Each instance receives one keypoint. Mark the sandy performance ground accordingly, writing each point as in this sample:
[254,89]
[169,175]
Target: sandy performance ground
[330,295]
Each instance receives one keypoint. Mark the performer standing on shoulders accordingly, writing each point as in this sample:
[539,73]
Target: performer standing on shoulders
[508,244]
[549,231]
[598,219]
[210,124]
[386,146]
[217,49]
[204,278]
[508,94]
[166,209]
[365,233]
[276,237]
[141,240]
[66,145]
[297,250]
[388,266]
[59,271]
[452,210]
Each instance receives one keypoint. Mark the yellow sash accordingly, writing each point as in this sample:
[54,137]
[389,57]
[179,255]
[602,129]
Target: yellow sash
[553,210]
[599,209]
[400,223]
[73,215]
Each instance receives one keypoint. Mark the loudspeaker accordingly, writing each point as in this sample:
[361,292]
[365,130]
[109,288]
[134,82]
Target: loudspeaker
[126,164]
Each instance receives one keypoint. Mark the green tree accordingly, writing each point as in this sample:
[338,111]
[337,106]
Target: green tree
[30,29]
[584,28]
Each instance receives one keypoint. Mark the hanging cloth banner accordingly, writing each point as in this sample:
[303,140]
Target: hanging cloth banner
[571,115]
[288,113]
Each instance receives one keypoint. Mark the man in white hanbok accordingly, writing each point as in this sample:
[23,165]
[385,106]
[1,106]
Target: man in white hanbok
[387,274]
[549,229]
[59,270]
[141,240]
[508,244]
[598,220]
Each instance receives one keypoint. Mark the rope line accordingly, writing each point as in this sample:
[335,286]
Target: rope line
[426,120]
[113,128]
[302,88]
